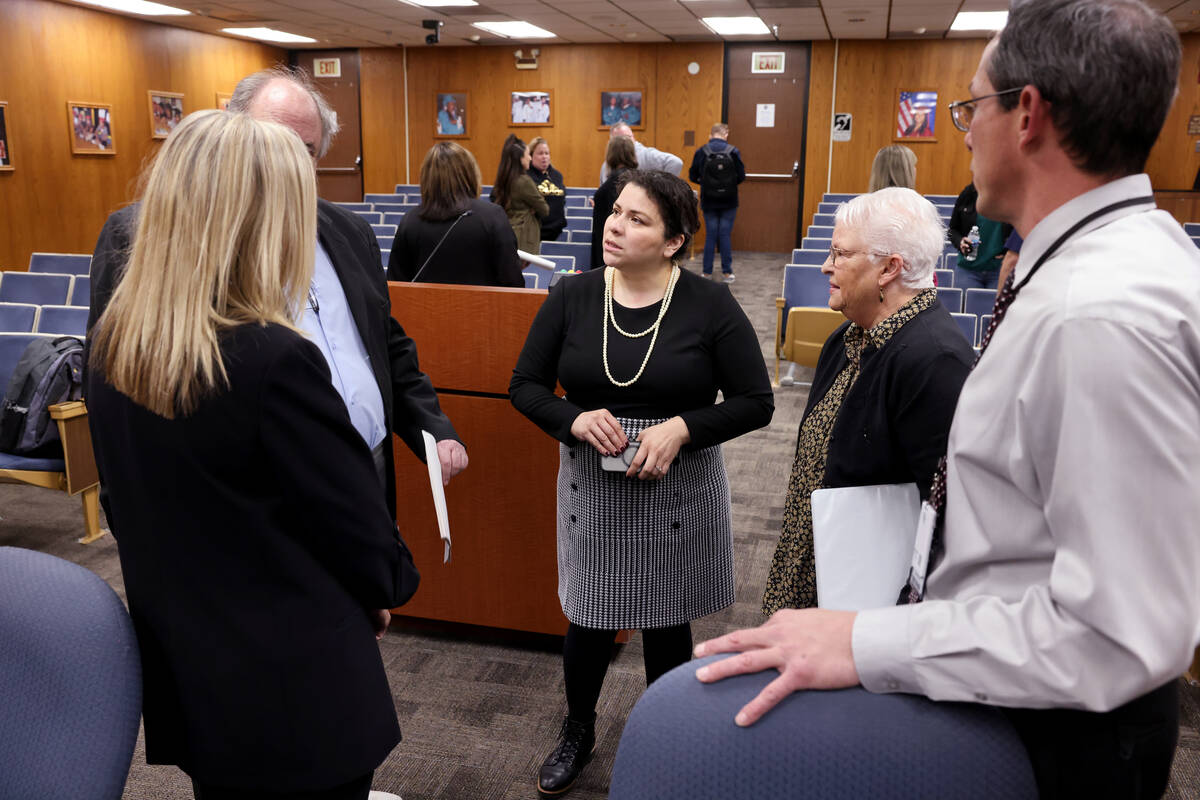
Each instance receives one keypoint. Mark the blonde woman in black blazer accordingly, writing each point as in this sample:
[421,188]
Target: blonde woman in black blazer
[256,547]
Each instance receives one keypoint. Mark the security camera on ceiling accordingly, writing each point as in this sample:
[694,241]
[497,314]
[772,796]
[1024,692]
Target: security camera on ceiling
[434,25]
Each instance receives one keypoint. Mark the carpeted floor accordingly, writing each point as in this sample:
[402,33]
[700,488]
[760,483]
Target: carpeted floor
[480,709]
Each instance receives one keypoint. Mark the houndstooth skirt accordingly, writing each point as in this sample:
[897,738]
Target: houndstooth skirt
[638,554]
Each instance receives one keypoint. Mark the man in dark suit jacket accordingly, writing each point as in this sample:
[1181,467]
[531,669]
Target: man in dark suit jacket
[410,403]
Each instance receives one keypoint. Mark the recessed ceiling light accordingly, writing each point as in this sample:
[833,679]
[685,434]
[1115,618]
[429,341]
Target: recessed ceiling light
[514,29]
[735,26]
[139,7]
[440,3]
[979,21]
[269,35]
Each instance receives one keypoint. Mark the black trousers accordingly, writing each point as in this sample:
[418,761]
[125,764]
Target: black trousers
[1125,753]
[357,789]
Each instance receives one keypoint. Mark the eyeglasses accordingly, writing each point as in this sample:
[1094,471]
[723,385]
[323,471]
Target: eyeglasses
[836,252]
[962,112]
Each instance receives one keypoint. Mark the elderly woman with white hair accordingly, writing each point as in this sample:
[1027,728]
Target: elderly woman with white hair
[886,382]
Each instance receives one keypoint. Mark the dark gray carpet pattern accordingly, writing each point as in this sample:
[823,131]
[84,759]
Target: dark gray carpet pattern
[480,709]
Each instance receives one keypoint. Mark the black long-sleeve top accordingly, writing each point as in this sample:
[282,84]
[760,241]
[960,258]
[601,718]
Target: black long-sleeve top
[550,184]
[706,343]
[480,250]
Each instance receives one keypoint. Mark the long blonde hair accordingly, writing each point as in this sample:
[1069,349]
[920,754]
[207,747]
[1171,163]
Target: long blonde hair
[225,236]
[894,165]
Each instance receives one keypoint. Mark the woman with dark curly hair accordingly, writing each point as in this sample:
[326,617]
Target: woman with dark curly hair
[642,347]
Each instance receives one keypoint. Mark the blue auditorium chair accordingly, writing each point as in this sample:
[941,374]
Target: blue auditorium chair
[827,208]
[1192,228]
[355,206]
[393,218]
[530,280]
[579,224]
[816,243]
[979,301]
[383,198]
[384,255]
[60,263]
[581,191]
[75,473]
[945,278]
[371,217]
[35,287]
[17,318]
[830,197]
[63,320]
[578,213]
[813,258]
[951,298]
[72,682]
[942,199]
[968,324]
[576,201]
[564,236]
[820,231]
[581,236]
[384,234]
[581,251]
[950,261]
[81,291]
[407,188]
[392,208]
[680,743]
[560,262]
[823,219]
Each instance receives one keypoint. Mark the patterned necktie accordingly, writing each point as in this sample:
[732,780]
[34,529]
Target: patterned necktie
[937,490]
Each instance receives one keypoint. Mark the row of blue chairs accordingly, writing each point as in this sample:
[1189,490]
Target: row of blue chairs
[61,263]
[814,252]
[45,288]
[30,318]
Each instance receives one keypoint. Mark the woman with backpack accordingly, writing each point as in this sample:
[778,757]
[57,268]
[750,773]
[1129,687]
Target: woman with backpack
[718,168]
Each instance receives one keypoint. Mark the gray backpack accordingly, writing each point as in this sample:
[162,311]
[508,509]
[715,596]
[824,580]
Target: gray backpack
[50,371]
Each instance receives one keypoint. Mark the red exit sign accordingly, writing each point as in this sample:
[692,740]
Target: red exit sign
[327,67]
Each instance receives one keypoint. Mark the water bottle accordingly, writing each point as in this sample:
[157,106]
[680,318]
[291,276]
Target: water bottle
[973,241]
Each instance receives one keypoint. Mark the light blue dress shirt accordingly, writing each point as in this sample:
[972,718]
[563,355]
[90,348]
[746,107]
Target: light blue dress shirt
[329,325]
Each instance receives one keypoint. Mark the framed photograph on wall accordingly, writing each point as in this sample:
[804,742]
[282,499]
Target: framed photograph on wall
[223,100]
[622,105]
[6,164]
[531,109]
[91,128]
[451,114]
[916,113]
[166,111]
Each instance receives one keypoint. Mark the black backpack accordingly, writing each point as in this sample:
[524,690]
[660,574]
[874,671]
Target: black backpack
[50,371]
[718,177]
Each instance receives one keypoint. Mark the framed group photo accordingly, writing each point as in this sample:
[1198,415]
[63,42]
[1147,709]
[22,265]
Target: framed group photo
[916,115]
[166,111]
[6,164]
[451,114]
[91,128]
[531,108]
[621,105]
[223,101]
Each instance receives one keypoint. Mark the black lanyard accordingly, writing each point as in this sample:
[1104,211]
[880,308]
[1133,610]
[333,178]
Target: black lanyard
[1052,249]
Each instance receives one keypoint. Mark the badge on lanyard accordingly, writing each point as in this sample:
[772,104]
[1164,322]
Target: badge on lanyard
[920,559]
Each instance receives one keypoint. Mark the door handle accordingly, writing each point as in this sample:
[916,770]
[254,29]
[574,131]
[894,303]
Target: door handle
[795,169]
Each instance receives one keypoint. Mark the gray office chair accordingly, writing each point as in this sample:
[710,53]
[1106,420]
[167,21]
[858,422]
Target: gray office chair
[70,681]
[680,743]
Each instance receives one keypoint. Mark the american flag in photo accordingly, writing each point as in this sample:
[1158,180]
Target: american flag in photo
[910,104]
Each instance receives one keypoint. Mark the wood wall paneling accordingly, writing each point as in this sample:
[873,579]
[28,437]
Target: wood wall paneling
[674,102]
[1173,162]
[51,53]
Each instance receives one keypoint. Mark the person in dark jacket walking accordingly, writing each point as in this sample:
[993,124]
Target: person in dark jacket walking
[718,168]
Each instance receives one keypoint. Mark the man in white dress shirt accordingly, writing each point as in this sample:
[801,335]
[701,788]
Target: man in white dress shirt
[647,157]
[1069,590]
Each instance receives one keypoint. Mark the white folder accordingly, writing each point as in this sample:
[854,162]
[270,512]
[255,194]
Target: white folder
[862,543]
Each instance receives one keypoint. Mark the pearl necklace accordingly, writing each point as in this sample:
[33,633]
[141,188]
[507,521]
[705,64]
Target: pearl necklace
[609,272]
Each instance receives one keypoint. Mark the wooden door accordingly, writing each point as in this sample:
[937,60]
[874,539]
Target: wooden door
[770,199]
[335,72]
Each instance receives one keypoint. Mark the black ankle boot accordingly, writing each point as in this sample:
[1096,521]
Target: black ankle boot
[576,743]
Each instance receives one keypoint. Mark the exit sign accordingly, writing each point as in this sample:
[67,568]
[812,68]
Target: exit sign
[327,67]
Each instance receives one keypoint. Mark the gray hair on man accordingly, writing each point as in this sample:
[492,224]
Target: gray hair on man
[1108,68]
[249,87]
[898,221]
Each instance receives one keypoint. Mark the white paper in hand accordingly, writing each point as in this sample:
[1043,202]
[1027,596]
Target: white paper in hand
[862,543]
[439,493]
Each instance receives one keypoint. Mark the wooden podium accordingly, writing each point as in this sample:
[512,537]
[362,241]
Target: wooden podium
[503,571]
